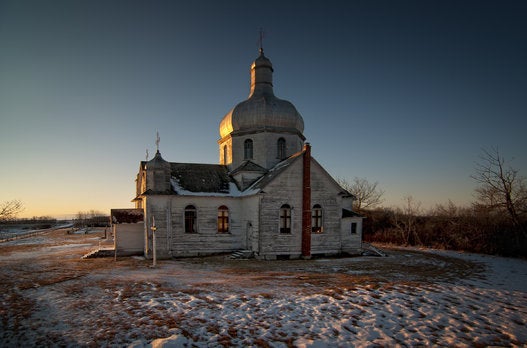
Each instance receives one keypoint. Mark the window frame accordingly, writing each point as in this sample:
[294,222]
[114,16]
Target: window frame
[353,227]
[281,148]
[248,149]
[285,219]
[223,220]
[190,219]
[317,221]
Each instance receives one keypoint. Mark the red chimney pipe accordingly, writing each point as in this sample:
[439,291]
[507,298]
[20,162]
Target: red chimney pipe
[306,203]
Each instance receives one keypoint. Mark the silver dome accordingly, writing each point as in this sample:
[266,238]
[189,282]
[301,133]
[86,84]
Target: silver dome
[262,110]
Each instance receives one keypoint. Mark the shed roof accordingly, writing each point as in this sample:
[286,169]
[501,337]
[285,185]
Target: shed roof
[350,213]
[126,216]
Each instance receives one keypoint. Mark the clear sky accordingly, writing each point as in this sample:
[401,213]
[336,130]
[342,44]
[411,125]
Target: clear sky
[405,93]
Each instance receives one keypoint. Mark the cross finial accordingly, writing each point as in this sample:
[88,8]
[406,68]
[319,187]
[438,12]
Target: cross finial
[260,41]
[146,154]
[157,141]
[153,228]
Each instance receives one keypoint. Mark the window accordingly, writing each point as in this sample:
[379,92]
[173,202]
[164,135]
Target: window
[225,155]
[280,147]
[316,219]
[353,228]
[223,219]
[285,219]
[190,219]
[248,149]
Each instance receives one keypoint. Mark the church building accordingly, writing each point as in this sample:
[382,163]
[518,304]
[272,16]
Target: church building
[267,196]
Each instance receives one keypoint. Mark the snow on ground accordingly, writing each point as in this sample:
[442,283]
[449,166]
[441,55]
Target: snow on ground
[411,298]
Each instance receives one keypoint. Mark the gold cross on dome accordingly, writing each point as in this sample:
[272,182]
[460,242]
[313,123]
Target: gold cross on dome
[260,41]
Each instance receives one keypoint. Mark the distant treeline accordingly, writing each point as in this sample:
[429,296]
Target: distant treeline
[88,219]
[36,222]
[34,219]
[473,229]
[92,218]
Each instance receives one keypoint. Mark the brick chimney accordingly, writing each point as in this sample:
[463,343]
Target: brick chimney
[306,203]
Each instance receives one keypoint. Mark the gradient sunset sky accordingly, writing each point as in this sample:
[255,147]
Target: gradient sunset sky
[405,93]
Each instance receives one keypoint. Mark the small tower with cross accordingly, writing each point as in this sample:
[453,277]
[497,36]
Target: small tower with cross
[158,172]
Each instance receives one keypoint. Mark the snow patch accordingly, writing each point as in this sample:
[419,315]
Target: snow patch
[205,304]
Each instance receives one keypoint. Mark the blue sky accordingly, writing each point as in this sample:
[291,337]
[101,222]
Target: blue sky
[405,93]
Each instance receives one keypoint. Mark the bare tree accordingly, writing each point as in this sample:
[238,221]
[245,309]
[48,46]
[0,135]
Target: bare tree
[367,194]
[90,218]
[405,220]
[500,186]
[10,209]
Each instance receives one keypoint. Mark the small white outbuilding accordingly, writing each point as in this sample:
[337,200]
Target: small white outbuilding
[128,231]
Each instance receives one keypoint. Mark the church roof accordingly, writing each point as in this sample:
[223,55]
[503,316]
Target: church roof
[198,179]
[249,166]
[266,179]
[215,180]
[188,178]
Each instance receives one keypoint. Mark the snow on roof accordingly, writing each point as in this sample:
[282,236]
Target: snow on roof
[207,180]
[233,191]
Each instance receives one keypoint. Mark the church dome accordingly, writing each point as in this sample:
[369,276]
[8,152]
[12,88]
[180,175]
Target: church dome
[262,110]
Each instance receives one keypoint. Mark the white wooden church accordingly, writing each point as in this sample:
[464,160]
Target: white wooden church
[267,196]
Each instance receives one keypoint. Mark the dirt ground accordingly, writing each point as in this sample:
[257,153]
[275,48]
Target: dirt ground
[56,257]
[51,297]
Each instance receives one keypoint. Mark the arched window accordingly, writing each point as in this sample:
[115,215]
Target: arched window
[280,148]
[223,219]
[190,219]
[285,219]
[248,149]
[225,155]
[316,219]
